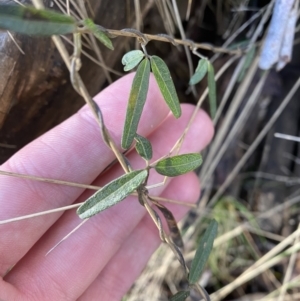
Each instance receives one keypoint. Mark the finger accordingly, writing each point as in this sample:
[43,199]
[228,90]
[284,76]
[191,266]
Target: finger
[87,252]
[73,151]
[125,266]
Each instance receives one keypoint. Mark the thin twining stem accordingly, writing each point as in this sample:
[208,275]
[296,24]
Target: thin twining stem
[85,186]
[166,38]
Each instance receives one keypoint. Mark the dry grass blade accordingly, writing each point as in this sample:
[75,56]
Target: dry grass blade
[246,276]
[239,96]
[67,236]
[15,219]
[240,123]
[289,271]
[256,142]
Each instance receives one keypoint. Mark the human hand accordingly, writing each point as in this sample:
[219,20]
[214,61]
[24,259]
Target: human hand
[104,257]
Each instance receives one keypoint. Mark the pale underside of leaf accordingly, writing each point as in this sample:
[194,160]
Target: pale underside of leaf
[212,89]
[165,84]
[143,147]
[203,252]
[31,21]
[178,165]
[98,33]
[132,58]
[112,193]
[200,72]
[137,98]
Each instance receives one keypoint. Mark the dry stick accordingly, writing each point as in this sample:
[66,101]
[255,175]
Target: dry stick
[166,17]
[188,10]
[273,41]
[256,142]
[239,96]
[287,137]
[138,19]
[169,8]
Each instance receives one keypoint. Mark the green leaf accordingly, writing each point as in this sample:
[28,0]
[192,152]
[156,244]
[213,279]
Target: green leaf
[248,61]
[32,21]
[180,296]
[132,58]
[136,102]
[143,147]
[112,193]
[211,89]
[200,72]
[178,165]
[203,252]
[165,84]
[98,33]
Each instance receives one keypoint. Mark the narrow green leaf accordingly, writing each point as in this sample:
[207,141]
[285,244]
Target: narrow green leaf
[143,147]
[248,61]
[211,89]
[178,165]
[200,72]
[136,102]
[165,84]
[180,296]
[203,252]
[112,193]
[132,58]
[32,21]
[98,33]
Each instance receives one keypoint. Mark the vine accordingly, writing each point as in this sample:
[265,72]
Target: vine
[40,22]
